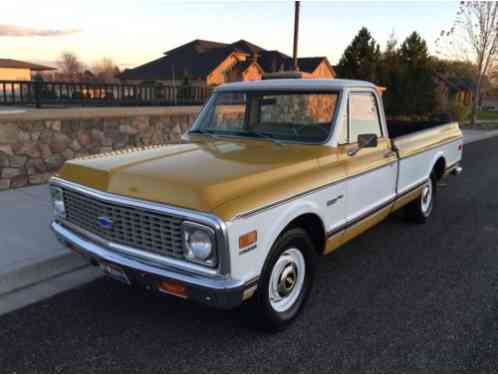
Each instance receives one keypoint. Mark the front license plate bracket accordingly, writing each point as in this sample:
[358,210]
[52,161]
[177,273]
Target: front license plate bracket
[115,272]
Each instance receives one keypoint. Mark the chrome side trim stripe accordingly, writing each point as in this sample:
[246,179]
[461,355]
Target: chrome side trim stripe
[284,201]
[359,218]
[371,212]
[306,193]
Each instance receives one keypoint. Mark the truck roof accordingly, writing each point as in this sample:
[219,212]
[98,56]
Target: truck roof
[295,84]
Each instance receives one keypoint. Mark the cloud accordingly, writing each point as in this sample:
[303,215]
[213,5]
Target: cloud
[20,31]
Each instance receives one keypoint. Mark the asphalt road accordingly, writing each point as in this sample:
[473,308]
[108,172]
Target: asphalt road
[402,297]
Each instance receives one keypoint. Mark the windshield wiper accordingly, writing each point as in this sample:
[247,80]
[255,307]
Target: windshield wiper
[204,132]
[268,136]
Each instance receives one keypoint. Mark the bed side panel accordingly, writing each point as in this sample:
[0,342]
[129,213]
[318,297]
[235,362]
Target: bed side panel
[420,151]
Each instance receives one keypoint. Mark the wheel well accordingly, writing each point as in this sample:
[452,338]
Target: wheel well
[439,168]
[313,225]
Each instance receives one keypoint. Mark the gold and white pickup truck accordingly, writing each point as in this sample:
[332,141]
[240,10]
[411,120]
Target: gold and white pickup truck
[273,174]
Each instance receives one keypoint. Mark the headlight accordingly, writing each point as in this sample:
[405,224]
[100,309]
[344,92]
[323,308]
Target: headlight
[58,202]
[198,244]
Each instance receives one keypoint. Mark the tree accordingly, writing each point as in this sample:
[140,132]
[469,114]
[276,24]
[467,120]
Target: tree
[105,70]
[70,65]
[417,77]
[361,58]
[475,35]
[389,77]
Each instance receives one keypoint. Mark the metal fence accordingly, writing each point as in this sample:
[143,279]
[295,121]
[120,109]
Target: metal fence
[48,94]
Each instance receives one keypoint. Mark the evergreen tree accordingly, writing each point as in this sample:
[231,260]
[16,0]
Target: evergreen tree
[361,58]
[389,77]
[417,77]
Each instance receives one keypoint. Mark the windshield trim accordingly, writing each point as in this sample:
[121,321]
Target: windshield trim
[212,99]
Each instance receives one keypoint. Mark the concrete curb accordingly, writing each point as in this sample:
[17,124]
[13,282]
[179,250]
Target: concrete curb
[38,271]
[47,288]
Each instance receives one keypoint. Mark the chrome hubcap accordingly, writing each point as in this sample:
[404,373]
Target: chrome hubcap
[426,201]
[287,280]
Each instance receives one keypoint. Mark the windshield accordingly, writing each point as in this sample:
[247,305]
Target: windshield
[280,116]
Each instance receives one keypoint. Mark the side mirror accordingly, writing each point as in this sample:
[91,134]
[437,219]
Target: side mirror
[367,140]
[364,141]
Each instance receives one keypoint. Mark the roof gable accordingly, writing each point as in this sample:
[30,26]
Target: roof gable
[247,47]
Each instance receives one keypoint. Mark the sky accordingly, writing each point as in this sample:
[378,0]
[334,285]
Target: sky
[133,32]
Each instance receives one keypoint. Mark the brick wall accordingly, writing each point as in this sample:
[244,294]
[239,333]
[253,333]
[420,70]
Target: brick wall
[35,144]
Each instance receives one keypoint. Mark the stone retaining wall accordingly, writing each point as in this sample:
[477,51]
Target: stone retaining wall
[35,144]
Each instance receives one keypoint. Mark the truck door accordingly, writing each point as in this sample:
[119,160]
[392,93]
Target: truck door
[371,172]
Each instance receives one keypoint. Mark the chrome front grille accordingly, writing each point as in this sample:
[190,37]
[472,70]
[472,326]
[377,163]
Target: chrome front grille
[131,226]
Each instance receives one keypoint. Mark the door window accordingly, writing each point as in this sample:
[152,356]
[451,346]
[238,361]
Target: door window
[364,115]
[342,130]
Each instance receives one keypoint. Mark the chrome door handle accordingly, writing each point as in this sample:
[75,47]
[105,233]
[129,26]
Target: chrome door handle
[389,154]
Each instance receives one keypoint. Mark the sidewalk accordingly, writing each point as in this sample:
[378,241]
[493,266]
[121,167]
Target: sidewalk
[33,265]
[472,135]
[29,253]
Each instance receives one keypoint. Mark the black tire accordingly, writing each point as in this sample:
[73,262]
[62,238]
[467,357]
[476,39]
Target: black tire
[414,210]
[262,314]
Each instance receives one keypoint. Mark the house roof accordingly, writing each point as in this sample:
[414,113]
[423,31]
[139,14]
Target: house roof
[247,47]
[309,64]
[198,45]
[16,64]
[197,59]
[180,63]
[274,61]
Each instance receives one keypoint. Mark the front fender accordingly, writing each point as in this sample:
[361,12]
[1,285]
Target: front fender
[269,223]
[289,214]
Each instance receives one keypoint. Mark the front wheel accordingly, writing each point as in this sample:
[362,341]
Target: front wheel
[421,208]
[285,282]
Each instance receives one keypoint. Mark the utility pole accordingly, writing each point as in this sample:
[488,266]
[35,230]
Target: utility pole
[296,34]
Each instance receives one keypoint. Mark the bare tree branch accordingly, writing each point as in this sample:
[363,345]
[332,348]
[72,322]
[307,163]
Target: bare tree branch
[474,30]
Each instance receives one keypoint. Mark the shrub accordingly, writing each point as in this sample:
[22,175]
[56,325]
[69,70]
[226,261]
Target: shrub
[459,111]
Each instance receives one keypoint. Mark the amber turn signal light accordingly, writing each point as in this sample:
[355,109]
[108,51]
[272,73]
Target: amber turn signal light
[173,288]
[248,239]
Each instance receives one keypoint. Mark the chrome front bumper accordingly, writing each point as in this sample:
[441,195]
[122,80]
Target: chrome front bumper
[218,291]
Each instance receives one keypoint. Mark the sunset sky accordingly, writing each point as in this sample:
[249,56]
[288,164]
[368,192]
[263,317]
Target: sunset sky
[132,32]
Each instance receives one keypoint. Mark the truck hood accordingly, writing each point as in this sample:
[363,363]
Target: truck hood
[200,176]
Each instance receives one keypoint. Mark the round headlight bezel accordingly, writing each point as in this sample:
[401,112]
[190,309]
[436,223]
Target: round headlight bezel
[200,255]
[57,196]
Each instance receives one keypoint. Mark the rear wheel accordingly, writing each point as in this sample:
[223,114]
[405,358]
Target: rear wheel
[421,208]
[285,282]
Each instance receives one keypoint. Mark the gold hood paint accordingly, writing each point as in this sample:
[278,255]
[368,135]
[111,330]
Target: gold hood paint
[225,177]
